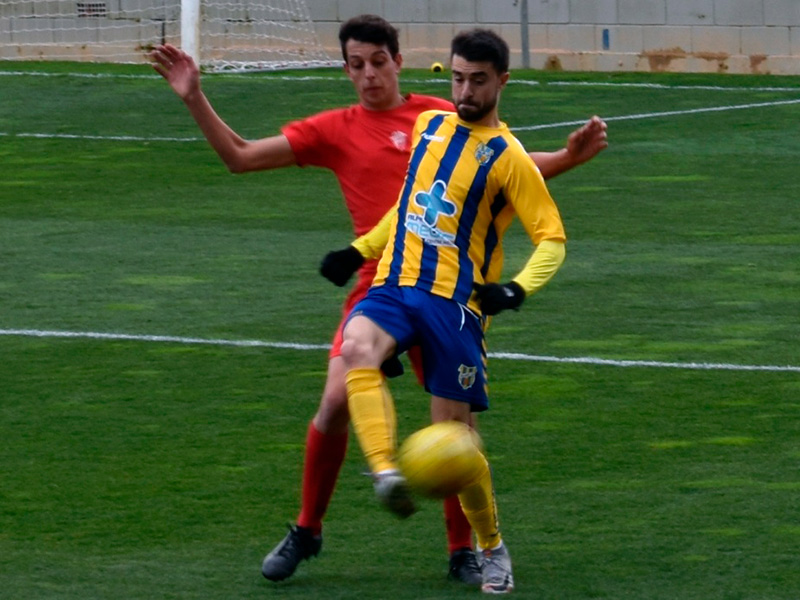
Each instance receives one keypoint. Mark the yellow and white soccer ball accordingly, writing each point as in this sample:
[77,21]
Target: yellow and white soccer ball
[442,459]
[437,67]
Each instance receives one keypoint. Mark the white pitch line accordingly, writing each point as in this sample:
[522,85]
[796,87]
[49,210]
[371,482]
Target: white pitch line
[645,363]
[110,138]
[663,86]
[344,79]
[667,113]
[93,335]
[584,360]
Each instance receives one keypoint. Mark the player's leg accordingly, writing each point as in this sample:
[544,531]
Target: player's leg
[371,406]
[458,381]
[463,563]
[378,328]
[480,509]
[326,445]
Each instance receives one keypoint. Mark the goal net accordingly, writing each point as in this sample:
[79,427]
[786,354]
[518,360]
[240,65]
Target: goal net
[233,35]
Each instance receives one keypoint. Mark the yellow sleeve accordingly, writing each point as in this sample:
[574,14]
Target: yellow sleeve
[542,222]
[371,244]
[542,265]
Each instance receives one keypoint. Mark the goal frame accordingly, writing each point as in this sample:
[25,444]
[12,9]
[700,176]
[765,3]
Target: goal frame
[221,35]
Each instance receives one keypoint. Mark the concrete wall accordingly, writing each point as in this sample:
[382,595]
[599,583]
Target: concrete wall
[734,36]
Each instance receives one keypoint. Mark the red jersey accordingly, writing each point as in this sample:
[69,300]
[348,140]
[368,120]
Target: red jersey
[367,150]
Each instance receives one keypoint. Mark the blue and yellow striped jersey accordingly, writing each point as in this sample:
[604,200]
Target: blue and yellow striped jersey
[463,186]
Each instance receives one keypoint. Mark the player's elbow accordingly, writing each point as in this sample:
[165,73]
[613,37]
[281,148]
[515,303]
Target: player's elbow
[247,160]
[236,166]
[240,157]
[236,162]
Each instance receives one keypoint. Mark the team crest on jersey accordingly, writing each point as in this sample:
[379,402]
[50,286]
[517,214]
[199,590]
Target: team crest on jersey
[483,154]
[400,140]
[435,204]
[466,376]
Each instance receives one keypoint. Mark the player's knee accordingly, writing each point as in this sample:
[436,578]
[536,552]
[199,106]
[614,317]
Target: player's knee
[351,351]
[358,353]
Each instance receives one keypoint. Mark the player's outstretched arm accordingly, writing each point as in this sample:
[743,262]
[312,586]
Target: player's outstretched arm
[583,144]
[239,155]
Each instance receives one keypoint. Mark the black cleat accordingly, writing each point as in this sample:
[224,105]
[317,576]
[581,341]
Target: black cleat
[298,545]
[464,567]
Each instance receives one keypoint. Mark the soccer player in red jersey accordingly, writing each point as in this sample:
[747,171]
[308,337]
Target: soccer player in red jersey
[372,136]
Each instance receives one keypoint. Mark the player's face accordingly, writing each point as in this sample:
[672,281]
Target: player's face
[476,89]
[374,74]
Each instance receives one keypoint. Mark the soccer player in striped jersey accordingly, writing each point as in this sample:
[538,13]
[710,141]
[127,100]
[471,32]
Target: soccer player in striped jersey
[437,280]
[350,142]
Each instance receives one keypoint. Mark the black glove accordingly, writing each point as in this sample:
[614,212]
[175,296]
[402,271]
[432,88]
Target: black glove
[339,265]
[495,297]
[392,367]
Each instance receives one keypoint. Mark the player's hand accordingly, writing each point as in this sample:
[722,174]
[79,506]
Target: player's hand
[496,297]
[178,68]
[339,265]
[587,141]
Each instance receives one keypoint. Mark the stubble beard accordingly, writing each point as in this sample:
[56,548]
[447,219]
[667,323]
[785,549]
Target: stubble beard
[474,112]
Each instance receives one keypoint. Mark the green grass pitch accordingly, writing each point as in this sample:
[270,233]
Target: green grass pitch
[144,468]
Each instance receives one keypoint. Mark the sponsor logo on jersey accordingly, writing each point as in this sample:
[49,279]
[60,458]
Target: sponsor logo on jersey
[432,138]
[435,205]
[466,376]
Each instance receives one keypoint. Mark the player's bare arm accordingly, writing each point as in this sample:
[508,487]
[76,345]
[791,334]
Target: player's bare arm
[583,144]
[238,154]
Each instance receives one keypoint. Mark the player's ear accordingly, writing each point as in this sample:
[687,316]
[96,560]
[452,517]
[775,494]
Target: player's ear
[398,61]
[504,79]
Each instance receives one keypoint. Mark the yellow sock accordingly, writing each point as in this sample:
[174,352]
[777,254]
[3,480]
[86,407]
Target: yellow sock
[373,416]
[480,508]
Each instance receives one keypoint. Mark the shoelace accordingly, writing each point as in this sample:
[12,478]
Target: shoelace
[493,562]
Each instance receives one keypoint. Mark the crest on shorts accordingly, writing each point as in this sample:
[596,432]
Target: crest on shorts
[483,154]
[466,376]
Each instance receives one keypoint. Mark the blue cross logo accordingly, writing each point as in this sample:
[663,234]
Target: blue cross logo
[435,203]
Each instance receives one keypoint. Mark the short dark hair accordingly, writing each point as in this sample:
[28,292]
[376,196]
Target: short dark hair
[370,29]
[481,45]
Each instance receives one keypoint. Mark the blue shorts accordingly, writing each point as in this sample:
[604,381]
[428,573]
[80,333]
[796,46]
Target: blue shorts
[450,335]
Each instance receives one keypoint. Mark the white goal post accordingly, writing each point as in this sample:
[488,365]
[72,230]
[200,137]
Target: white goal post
[223,35]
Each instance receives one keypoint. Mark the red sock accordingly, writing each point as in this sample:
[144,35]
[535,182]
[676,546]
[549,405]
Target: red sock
[459,531]
[324,458]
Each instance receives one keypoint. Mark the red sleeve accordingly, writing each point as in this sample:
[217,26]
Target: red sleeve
[314,139]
